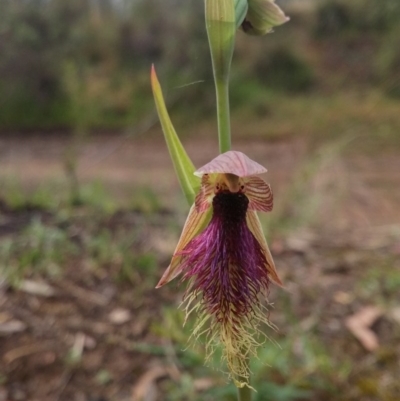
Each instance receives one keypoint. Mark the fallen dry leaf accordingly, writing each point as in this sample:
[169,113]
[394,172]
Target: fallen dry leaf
[84,294]
[3,394]
[300,241]
[144,389]
[395,314]
[360,324]
[37,288]
[203,384]
[342,297]
[25,350]
[119,316]
[13,326]
[4,317]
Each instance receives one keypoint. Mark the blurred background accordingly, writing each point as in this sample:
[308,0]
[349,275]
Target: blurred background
[90,209]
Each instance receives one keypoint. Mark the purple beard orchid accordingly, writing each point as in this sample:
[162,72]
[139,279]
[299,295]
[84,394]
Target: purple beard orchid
[223,254]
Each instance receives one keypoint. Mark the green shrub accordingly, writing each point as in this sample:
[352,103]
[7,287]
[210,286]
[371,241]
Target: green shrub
[283,70]
[332,17]
[359,16]
[388,64]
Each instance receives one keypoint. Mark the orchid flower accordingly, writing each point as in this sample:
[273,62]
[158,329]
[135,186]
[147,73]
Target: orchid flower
[223,254]
[259,17]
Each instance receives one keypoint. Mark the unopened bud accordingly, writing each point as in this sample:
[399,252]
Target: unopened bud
[221,27]
[262,16]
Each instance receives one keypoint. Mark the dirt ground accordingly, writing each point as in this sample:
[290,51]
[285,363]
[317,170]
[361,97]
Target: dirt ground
[365,184]
[82,337]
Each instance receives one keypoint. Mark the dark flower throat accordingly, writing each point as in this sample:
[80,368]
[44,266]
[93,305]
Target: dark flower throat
[230,207]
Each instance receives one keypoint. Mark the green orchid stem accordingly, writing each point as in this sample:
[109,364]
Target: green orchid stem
[223,114]
[244,394]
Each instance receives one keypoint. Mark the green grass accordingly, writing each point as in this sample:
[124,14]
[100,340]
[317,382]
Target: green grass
[38,250]
[381,283]
[53,230]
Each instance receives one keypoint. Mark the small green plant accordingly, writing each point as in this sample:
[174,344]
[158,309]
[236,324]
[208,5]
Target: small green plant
[96,196]
[388,64]
[13,194]
[145,200]
[103,377]
[81,113]
[38,250]
[46,196]
[381,282]
[118,253]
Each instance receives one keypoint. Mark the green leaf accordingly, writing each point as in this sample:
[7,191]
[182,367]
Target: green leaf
[184,167]
[241,7]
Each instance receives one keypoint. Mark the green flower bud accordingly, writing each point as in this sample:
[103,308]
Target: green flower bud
[262,16]
[221,29]
[241,8]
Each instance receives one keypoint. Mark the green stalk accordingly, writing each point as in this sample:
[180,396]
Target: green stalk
[244,393]
[243,385]
[223,115]
[221,29]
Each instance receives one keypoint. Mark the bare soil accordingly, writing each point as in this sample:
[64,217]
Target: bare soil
[71,346]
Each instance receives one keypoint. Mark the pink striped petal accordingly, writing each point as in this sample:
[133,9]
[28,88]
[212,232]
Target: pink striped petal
[259,194]
[232,162]
[204,198]
[254,225]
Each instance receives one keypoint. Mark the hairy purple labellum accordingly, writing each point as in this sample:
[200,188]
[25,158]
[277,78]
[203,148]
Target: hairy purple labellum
[226,261]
